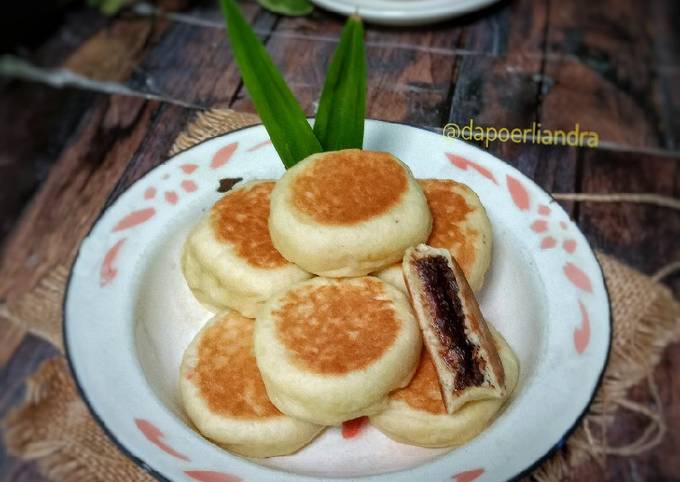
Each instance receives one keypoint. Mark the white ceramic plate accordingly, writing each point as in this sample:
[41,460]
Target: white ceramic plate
[129,315]
[404,12]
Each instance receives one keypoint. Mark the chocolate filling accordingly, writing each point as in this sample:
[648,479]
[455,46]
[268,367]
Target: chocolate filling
[441,292]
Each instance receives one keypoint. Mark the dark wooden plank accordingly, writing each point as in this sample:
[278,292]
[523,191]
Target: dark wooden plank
[645,236]
[83,175]
[505,28]
[601,32]
[151,55]
[503,89]
[409,71]
[497,82]
[193,63]
[669,79]
[527,26]
[603,64]
[409,86]
[496,91]
[487,32]
[442,39]
[49,34]
[302,58]
[114,51]
[37,122]
[664,29]
[616,101]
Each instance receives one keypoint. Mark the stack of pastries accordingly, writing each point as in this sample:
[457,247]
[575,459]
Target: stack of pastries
[344,289]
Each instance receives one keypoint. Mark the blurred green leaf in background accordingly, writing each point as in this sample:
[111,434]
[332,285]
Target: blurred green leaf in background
[108,7]
[287,7]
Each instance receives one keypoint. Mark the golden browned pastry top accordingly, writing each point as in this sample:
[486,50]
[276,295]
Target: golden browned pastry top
[423,393]
[346,187]
[240,219]
[338,327]
[226,373]
[449,212]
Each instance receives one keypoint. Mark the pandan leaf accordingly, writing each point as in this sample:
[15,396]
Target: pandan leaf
[342,108]
[282,116]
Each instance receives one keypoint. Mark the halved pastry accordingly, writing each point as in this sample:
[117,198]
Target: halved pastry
[229,260]
[454,330]
[223,393]
[331,350]
[417,415]
[459,224]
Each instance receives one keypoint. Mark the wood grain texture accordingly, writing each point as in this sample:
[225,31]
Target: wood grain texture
[619,106]
[301,58]
[607,69]
[37,123]
[496,91]
[113,52]
[193,63]
[74,192]
[644,236]
[168,121]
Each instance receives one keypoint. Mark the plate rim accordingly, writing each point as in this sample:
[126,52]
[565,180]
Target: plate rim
[111,201]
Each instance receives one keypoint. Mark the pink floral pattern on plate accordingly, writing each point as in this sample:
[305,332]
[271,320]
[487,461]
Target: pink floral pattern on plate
[468,475]
[521,198]
[154,435]
[211,476]
[171,197]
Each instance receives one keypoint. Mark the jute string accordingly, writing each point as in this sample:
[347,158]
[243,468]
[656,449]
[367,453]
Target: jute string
[53,426]
[619,197]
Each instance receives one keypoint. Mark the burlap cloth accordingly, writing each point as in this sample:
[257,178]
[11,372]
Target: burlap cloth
[54,427]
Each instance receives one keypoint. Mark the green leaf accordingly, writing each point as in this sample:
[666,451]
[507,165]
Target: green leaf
[108,7]
[287,7]
[282,116]
[342,108]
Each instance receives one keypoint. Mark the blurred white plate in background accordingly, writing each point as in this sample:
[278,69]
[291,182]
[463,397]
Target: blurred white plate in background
[404,12]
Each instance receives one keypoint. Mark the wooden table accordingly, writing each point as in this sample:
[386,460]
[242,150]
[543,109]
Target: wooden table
[130,84]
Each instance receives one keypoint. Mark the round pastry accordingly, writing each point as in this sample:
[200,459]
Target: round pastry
[224,396]
[459,224]
[416,414]
[229,260]
[331,350]
[347,213]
